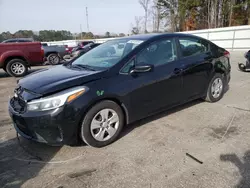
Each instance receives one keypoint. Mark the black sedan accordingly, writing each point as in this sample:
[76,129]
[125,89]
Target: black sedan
[78,51]
[91,98]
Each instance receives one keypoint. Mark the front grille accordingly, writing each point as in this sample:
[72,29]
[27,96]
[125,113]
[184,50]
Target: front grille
[18,104]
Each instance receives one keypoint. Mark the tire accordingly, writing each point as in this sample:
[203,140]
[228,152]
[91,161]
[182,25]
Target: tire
[214,95]
[13,65]
[87,133]
[53,59]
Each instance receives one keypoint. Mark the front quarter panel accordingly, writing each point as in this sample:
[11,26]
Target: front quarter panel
[111,88]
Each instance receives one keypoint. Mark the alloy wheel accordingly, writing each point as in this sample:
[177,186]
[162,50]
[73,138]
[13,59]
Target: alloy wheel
[104,125]
[17,68]
[217,87]
[54,59]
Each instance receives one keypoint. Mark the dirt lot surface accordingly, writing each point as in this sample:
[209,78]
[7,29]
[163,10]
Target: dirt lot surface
[150,153]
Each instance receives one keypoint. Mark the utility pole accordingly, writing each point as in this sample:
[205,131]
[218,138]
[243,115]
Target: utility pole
[87,17]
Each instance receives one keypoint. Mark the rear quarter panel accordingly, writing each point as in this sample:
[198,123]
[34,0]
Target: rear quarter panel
[31,51]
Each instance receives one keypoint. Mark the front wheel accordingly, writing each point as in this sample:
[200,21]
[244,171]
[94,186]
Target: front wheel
[102,124]
[215,89]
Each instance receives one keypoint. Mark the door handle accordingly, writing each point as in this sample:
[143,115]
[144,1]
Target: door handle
[177,71]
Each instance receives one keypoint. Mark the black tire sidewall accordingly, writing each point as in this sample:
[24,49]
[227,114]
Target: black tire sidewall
[8,67]
[85,133]
[210,97]
[52,63]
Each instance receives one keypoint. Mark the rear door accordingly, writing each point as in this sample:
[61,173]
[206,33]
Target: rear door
[196,65]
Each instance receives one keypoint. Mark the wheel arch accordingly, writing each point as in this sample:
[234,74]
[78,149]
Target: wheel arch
[52,52]
[113,99]
[13,57]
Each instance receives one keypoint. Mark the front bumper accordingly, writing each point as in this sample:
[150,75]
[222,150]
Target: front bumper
[53,127]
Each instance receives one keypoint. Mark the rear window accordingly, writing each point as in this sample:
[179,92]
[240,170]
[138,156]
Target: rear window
[9,41]
[25,41]
[193,46]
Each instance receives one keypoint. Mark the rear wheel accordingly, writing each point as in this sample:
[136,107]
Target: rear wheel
[102,124]
[215,89]
[16,68]
[53,59]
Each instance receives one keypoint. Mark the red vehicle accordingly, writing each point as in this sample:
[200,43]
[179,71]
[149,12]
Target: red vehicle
[16,58]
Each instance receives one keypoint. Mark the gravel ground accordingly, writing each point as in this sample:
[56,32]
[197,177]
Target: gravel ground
[150,153]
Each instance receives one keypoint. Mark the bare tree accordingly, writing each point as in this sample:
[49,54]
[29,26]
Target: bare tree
[145,4]
[156,16]
[171,14]
[136,28]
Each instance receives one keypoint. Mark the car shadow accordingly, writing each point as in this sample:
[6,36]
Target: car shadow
[162,114]
[130,127]
[242,165]
[226,89]
[21,160]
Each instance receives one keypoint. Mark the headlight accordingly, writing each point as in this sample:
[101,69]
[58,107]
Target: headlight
[56,100]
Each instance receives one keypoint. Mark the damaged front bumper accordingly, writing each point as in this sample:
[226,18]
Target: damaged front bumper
[53,127]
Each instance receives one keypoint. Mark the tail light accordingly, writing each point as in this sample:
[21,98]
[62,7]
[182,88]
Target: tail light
[226,53]
[42,51]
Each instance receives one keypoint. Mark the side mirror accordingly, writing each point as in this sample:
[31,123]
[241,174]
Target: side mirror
[141,69]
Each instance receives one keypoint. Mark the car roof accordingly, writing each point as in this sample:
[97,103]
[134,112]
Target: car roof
[15,39]
[157,35]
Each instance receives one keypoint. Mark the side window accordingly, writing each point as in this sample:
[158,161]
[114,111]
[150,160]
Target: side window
[158,53]
[128,66]
[193,46]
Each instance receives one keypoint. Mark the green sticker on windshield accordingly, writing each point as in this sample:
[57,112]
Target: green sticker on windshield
[100,93]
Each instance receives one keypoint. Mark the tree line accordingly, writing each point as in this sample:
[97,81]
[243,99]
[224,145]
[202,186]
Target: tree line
[185,15]
[53,35]
[162,16]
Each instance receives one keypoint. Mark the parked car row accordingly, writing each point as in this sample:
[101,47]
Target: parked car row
[17,55]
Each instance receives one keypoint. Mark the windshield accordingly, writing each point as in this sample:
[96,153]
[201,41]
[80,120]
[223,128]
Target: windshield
[107,54]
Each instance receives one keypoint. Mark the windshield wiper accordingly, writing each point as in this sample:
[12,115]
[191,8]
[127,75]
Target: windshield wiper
[83,67]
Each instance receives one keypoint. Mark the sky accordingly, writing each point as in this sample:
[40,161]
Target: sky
[104,15]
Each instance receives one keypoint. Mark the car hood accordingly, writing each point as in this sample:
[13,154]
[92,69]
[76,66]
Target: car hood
[57,78]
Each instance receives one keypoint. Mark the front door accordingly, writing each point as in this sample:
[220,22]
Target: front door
[159,88]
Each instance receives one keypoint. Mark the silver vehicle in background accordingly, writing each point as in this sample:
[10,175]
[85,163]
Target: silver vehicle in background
[55,54]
